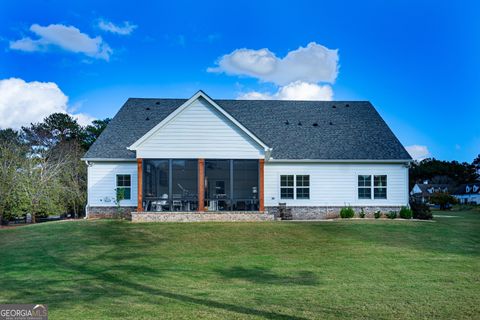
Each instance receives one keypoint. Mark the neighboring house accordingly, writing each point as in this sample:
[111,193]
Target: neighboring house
[468,193]
[424,191]
[204,155]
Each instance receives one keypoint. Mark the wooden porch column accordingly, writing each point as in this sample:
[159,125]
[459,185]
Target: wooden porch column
[261,175]
[201,184]
[140,185]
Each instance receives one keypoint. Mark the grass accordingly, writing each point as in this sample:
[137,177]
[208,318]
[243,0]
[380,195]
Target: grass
[367,269]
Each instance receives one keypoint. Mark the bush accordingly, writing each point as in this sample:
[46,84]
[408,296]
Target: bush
[405,213]
[444,200]
[421,211]
[392,215]
[347,212]
[362,213]
[377,214]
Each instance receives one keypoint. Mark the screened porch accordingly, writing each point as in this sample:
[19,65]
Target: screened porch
[186,185]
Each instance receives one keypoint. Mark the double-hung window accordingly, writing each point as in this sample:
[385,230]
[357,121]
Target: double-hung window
[124,187]
[380,187]
[365,187]
[287,186]
[294,187]
[303,187]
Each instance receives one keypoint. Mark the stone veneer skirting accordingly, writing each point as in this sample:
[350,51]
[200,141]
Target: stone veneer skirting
[319,213]
[111,212]
[271,213]
[200,216]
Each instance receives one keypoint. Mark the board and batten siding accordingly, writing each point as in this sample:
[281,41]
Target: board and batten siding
[200,131]
[336,184]
[102,183]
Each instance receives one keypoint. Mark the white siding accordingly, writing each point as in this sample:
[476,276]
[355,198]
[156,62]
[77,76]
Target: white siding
[336,184]
[200,131]
[102,183]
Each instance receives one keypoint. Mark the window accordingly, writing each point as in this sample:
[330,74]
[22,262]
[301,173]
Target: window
[295,187]
[124,185]
[380,187]
[303,187]
[364,187]
[286,187]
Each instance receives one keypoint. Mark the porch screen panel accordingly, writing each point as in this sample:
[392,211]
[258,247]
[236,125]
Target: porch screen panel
[245,185]
[217,184]
[184,179]
[155,179]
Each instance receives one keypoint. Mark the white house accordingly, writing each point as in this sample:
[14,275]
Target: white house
[468,193]
[425,190]
[207,157]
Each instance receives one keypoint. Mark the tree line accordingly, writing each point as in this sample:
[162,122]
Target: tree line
[452,173]
[40,168]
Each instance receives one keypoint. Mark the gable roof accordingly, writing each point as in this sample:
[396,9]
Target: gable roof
[425,188]
[473,188]
[199,95]
[314,130]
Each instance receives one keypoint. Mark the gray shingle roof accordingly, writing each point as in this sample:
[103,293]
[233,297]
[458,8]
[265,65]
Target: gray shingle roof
[327,130]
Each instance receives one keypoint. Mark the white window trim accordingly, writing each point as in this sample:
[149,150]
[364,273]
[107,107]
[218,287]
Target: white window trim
[117,186]
[294,186]
[372,186]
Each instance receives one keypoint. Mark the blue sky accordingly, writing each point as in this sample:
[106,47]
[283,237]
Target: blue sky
[417,62]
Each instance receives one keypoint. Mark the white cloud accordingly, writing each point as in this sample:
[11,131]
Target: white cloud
[22,103]
[109,26]
[65,37]
[314,63]
[294,91]
[418,152]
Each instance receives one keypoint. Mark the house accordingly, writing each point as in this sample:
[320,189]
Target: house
[423,191]
[468,193]
[239,159]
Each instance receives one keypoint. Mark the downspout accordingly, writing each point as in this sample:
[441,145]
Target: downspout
[86,206]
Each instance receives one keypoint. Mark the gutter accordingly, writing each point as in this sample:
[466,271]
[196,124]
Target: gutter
[109,159]
[405,161]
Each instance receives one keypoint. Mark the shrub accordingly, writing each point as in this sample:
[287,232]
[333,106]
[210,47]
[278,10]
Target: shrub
[362,213]
[377,214]
[392,215]
[347,212]
[444,200]
[405,213]
[421,211]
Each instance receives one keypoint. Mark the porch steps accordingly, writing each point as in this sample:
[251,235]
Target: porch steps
[201,216]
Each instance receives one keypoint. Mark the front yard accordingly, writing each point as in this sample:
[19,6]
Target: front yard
[273,270]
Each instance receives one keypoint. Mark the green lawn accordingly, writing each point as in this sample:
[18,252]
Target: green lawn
[272,270]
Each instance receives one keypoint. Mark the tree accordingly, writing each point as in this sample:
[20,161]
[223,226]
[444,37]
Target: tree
[443,199]
[12,153]
[93,131]
[444,171]
[40,183]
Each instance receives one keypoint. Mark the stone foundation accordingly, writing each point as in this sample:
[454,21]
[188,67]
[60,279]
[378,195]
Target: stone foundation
[320,213]
[111,212]
[200,216]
